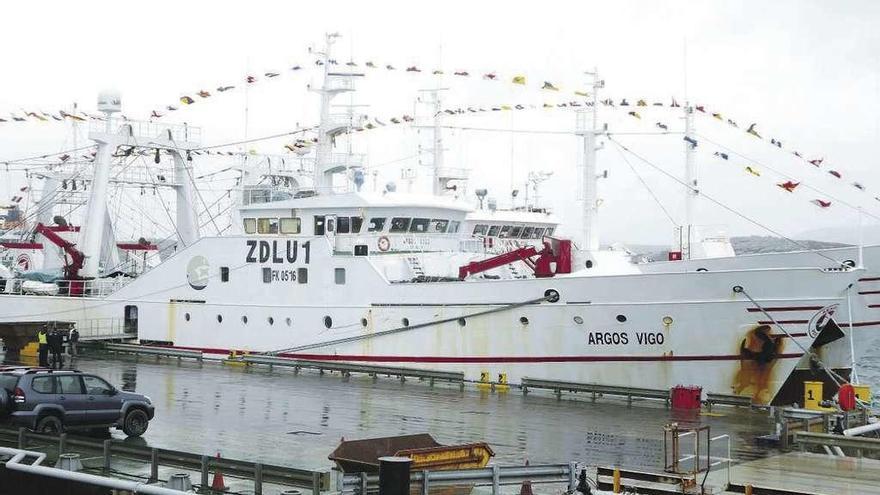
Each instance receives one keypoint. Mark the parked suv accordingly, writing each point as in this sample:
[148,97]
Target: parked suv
[50,401]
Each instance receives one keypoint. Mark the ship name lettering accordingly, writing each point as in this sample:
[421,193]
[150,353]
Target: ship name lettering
[650,338]
[607,338]
[270,251]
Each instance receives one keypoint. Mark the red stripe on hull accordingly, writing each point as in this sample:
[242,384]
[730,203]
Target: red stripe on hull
[489,359]
[786,308]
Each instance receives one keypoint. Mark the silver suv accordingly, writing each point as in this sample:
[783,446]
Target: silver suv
[50,401]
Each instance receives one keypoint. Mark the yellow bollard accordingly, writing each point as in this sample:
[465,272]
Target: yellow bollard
[813,395]
[502,385]
[484,383]
[616,480]
[863,392]
[748,490]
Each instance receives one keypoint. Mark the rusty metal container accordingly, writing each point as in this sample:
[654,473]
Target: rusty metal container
[356,456]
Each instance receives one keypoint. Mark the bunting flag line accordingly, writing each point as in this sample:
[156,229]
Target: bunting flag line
[821,204]
[789,185]
[753,171]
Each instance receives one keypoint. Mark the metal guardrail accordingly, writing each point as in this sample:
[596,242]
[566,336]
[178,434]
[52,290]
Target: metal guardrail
[494,476]
[348,368]
[808,438]
[728,400]
[22,438]
[153,351]
[594,389]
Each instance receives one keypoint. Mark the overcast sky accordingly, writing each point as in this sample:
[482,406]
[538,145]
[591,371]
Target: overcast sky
[807,72]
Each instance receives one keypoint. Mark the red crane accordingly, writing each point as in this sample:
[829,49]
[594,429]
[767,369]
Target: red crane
[556,251]
[71,268]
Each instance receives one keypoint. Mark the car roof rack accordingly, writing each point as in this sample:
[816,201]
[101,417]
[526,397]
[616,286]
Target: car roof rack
[48,370]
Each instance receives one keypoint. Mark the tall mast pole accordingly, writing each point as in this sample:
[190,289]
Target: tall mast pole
[690,178]
[588,133]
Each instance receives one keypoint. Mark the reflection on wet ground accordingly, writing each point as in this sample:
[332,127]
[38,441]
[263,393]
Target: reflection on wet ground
[282,418]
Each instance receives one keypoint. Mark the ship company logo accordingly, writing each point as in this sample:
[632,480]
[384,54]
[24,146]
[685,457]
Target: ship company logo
[820,319]
[23,262]
[197,272]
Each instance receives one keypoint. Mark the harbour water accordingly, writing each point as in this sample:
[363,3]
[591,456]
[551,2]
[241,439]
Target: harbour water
[276,416]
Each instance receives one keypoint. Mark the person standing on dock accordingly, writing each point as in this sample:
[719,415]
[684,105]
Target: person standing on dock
[55,344]
[43,350]
[72,340]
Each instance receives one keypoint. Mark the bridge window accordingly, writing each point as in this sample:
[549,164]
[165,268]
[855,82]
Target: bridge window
[291,225]
[527,233]
[319,224]
[343,225]
[377,224]
[515,231]
[224,274]
[493,231]
[339,274]
[419,225]
[538,233]
[250,225]
[302,275]
[356,223]
[481,229]
[399,224]
[453,227]
[267,226]
[549,231]
[505,232]
[438,226]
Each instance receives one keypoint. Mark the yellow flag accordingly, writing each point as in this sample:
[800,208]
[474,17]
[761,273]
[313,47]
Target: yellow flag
[505,107]
[519,80]
[753,171]
[582,93]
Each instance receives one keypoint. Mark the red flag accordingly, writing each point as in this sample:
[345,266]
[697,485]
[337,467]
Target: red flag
[250,79]
[700,108]
[817,161]
[789,185]
[834,173]
[204,94]
[821,204]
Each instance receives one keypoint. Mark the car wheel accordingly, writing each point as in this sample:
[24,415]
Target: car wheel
[135,423]
[49,425]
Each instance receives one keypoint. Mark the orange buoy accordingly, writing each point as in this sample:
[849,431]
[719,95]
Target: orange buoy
[846,397]
[218,485]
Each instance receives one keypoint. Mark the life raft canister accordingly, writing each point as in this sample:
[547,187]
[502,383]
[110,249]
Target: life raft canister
[384,244]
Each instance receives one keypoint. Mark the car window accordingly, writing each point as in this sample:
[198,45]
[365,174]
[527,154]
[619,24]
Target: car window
[96,386]
[68,384]
[8,382]
[43,384]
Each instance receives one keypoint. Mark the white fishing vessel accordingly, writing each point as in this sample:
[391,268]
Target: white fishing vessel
[390,279]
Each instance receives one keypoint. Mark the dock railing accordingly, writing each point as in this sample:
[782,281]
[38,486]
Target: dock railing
[494,476]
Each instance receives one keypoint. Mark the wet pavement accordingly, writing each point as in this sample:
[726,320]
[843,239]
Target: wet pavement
[297,419]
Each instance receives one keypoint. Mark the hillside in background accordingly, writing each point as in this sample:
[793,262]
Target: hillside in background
[742,245]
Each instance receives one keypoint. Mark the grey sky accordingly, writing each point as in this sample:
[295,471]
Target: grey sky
[807,72]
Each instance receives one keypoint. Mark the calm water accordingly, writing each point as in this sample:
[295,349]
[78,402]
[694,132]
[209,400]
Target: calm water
[282,418]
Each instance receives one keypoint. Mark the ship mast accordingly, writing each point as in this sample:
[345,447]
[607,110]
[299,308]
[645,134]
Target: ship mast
[587,129]
[690,177]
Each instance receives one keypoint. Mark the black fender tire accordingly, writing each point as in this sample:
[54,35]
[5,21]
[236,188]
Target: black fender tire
[135,422]
[49,425]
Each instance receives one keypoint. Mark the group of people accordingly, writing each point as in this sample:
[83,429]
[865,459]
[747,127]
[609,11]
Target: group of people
[53,341]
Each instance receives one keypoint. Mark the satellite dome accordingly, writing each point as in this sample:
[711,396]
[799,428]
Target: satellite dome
[109,101]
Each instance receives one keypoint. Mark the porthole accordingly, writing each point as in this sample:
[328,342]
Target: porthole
[328,322]
[578,320]
[244,319]
[621,318]
[364,322]
[405,322]
[849,263]
[462,322]
[271,321]
[552,295]
[667,320]
[288,321]
[589,264]
[186,316]
[523,320]
[219,318]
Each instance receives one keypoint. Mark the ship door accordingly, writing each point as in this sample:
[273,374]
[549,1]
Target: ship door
[130,322]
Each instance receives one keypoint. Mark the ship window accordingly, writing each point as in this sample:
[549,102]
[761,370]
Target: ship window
[527,232]
[267,275]
[244,319]
[219,318]
[419,225]
[319,224]
[186,316]
[270,320]
[328,322]
[453,227]
[224,274]
[291,225]
[505,232]
[250,225]
[289,321]
[343,225]
[302,275]
[438,226]
[399,224]
[377,224]
[361,250]
[339,274]
[515,231]
[481,229]
[267,226]
[493,231]
[538,233]
[549,231]
[356,223]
